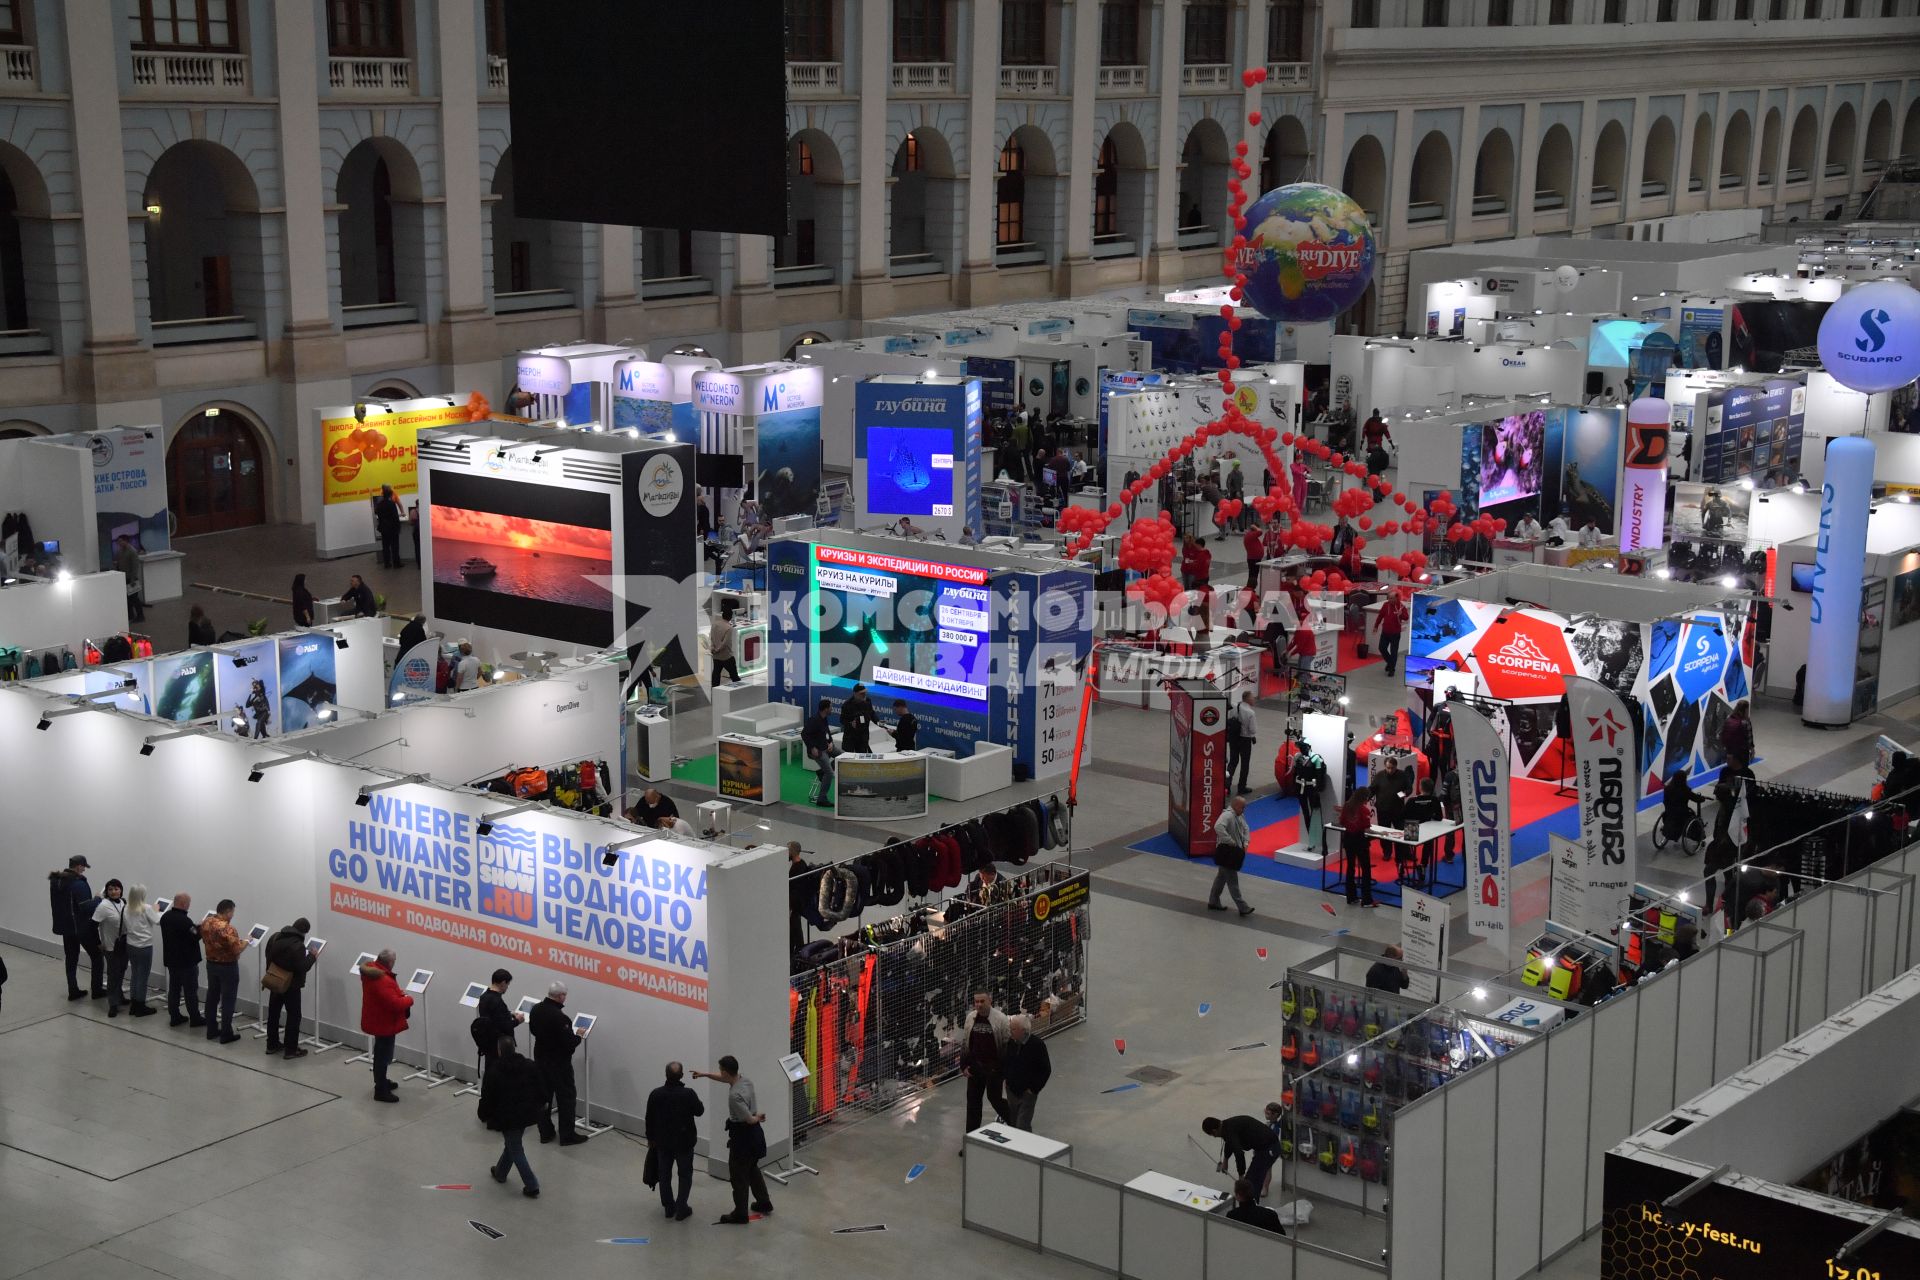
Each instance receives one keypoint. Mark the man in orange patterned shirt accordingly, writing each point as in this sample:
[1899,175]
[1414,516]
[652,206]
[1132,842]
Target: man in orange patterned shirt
[223,947]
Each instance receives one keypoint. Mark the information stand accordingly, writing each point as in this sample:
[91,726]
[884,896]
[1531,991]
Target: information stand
[417,987]
[317,1042]
[795,1068]
[255,936]
[365,1055]
[470,999]
[583,1027]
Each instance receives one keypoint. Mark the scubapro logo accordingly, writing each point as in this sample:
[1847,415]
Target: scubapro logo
[1872,324]
[662,484]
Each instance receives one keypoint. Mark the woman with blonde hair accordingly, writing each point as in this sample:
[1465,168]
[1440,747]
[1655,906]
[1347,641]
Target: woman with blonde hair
[140,921]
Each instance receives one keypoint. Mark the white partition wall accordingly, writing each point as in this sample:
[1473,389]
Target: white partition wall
[679,946]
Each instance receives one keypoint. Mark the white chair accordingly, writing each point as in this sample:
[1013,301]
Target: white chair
[988,769]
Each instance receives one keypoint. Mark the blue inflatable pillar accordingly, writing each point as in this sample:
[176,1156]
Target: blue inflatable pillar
[1833,639]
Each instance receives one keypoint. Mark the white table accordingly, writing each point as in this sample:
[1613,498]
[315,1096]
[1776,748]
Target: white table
[1179,1191]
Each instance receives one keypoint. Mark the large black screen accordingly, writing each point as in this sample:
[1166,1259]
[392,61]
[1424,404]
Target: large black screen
[645,113]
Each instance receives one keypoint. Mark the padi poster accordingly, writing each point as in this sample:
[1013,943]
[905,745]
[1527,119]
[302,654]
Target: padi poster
[246,681]
[536,890]
[308,692]
[183,686]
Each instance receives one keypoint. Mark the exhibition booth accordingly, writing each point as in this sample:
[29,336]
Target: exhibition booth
[675,944]
[129,501]
[1680,653]
[987,647]
[572,384]
[916,454]
[1402,375]
[760,439]
[48,618]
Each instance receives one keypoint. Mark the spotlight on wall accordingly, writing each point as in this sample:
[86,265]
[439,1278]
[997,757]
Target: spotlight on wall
[610,856]
[366,792]
[262,766]
[146,747]
[485,825]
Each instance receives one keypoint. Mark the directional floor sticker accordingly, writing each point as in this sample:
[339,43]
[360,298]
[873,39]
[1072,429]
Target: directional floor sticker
[486,1230]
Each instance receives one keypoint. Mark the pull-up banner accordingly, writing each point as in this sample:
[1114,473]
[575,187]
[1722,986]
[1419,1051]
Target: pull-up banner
[1602,743]
[1483,776]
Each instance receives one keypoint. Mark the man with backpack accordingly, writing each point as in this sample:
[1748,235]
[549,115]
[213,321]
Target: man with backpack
[72,900]
[287,952]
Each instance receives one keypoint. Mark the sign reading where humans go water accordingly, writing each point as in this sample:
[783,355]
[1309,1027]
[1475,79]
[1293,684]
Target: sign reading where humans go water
[530,892]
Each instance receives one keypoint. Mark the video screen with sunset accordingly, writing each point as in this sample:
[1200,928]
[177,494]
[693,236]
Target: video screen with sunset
[517,556]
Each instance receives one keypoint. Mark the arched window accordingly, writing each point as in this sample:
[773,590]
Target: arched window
[1010,192]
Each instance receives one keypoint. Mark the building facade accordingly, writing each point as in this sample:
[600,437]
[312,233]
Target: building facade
[221,214]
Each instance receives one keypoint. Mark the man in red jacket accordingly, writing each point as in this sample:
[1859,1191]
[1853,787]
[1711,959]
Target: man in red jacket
[1393,619]
[383,1015]
[1256,549]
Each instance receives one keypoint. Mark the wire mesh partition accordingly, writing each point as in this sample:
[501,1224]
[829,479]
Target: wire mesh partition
[881,1023]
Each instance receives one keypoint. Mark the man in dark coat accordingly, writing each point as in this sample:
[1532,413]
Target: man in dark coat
[512,1097]
[501,1020]
[415,632]
[69,894]
[672,1134]
[1243,1136]
[180,953]
[554,1041]
[1248,1209]
[386,522]
[288,949]
[1025,1069]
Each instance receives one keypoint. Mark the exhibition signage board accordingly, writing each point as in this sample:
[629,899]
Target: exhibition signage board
[999,381]
[1197,765]
[1189,341]
[1063,895]
[415,672]
[1423,939]
[247,688]
[358,456]
[656,398]
[1731,1233]
[879,788]
[129,487]
[1840,556]
[771,415]
[1487,809]
[916,454]
[1752,431]
[1566,891]
[1602,750]
[1644,496]
[533,889]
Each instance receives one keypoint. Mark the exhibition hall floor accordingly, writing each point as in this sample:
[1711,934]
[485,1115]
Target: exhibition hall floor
[128,1149]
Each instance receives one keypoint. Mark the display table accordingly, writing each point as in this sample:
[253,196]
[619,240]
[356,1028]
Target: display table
[1420,859]
[748,769]
[1000,1183]
[1508,551]
[162,575]
[1180,1191]
[879,786]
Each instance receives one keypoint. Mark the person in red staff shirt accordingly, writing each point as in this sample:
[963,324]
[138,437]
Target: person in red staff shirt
[1393,620]
[1304,646]
[1256,547]
[1196,564]
[1375,430]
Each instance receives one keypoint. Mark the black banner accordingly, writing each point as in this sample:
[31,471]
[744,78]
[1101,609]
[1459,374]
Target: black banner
[1064,896]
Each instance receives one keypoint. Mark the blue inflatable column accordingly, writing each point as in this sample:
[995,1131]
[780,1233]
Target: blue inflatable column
[1833,640]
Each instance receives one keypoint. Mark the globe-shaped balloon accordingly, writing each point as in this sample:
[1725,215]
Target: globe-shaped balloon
[1309,253]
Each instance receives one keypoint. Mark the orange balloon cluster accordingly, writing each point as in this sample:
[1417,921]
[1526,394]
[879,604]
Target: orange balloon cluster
[478,410]
[1152,550]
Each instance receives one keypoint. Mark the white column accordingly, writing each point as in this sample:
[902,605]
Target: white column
[982,73]
[1083,80]
[1254,56]
[1170,48]
[753,262]
[1399,179]
[1466,152]
[616,263]
[460,157]
[1636,159]
[100,180]
[1527,162]
[296,71]
[873,68]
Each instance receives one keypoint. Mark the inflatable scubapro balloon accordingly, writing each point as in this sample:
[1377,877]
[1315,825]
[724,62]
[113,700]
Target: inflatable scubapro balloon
[1309,253]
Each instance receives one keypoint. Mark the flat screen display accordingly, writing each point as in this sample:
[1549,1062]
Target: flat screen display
[1512,454]
[903,627]
[519,556]
[910,471]
[1802,578]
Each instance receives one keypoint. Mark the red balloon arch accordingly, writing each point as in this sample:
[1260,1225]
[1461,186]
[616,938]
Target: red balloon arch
[1147,546]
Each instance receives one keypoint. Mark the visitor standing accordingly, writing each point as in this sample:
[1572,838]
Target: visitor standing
[1393,620]
[1388,976]
[1736,736]
[816,736]
[386,522]
[671,1137]
[302,602]
[139,922]
[223,945]
[180,952]
[414,633]
[720,636]
[746,1141]
[1240,740]
[983,1044]
[110,923]
[856,721]
[69,896]
[1356,843]
[501,1022]
[127,561]
[199,628]
[554,1042]
[383,1016]
[287,951]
